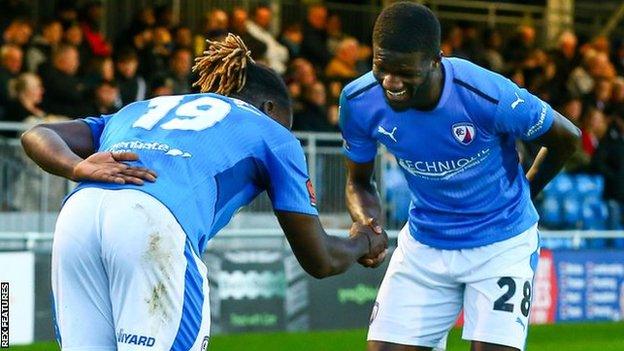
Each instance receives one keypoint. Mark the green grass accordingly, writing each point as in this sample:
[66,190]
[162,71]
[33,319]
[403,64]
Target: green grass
[560,337]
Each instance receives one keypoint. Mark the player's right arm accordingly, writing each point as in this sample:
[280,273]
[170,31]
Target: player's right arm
[363,201]
[294,202]
[323,255]
[67,149]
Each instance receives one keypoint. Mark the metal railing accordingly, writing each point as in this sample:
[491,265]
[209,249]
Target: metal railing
[31,198]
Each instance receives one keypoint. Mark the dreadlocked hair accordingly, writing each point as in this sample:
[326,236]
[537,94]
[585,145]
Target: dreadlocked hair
[223,67]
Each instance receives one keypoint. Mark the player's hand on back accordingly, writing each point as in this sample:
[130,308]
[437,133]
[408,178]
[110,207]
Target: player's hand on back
[378,242]
[109,167]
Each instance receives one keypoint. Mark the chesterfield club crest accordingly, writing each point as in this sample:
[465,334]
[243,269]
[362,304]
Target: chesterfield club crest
[464,132]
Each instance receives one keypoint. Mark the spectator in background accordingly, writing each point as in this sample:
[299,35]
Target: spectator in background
[99,69]
[609,162]
[301,74]
[276,53]
[520,46]
[594,126]
[618,56]
[617,98]
[538,71]
[73,36]
[18,32]
[215,26]
[238,26]
[90,24]
[601,66]
[601,44]
[11,59]
[142,44]
[67,13]
[144,18]
[132,87]
[472,45]
[600,96]
[160,50]
[182,37]
[343,65]
[335,35]
[161,86]
[164,16]
[452,42]
[180,65]
[41,48]
[291,37]
[26,97]
[572,108]
[491,57]
[105,99]
[65,93]
[595,65]
[314,43]
[312,117]
[218,23]
[565,58]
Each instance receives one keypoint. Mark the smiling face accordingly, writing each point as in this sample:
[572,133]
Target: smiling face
[406,78]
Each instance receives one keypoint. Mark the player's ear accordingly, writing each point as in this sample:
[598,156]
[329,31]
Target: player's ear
[438,58]
[268,107]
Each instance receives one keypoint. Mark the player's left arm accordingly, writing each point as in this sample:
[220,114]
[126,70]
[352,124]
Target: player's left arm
[559,143]
[525,116]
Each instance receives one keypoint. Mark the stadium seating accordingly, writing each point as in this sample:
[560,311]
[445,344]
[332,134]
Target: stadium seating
[569,202]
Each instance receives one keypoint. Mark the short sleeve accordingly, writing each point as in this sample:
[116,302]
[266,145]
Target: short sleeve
[358,145]
[521,113]
[290,188]
[96,124]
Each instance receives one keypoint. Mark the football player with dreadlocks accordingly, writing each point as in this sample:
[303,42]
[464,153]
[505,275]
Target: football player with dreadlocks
[126,267]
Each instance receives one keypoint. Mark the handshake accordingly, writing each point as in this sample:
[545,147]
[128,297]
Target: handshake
[377,242]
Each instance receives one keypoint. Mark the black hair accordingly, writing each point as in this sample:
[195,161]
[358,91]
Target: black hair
[47,22]
[407,27]
[264,84]
[126,54]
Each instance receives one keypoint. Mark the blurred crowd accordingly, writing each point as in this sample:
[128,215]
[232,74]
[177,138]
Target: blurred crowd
[64,67]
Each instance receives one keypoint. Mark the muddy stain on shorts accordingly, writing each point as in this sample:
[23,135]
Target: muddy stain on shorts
[158,263]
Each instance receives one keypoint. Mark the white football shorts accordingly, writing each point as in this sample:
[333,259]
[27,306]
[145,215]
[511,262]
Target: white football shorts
[124,276]
[424,290]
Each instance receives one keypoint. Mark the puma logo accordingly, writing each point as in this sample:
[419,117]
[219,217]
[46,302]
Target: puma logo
[381,130]
[515,103]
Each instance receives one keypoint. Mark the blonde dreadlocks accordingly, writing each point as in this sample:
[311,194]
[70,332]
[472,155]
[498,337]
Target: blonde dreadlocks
[222,68]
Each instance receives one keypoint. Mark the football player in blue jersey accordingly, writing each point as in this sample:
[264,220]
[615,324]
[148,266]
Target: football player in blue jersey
[471,240]
[126,268]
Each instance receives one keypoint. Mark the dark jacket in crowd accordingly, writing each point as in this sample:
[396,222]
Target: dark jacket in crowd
[133,89]
[609,161]
[314,46]
[64,94]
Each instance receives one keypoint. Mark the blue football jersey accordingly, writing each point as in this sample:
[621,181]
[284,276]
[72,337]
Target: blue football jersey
[460,160]
[212,154]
